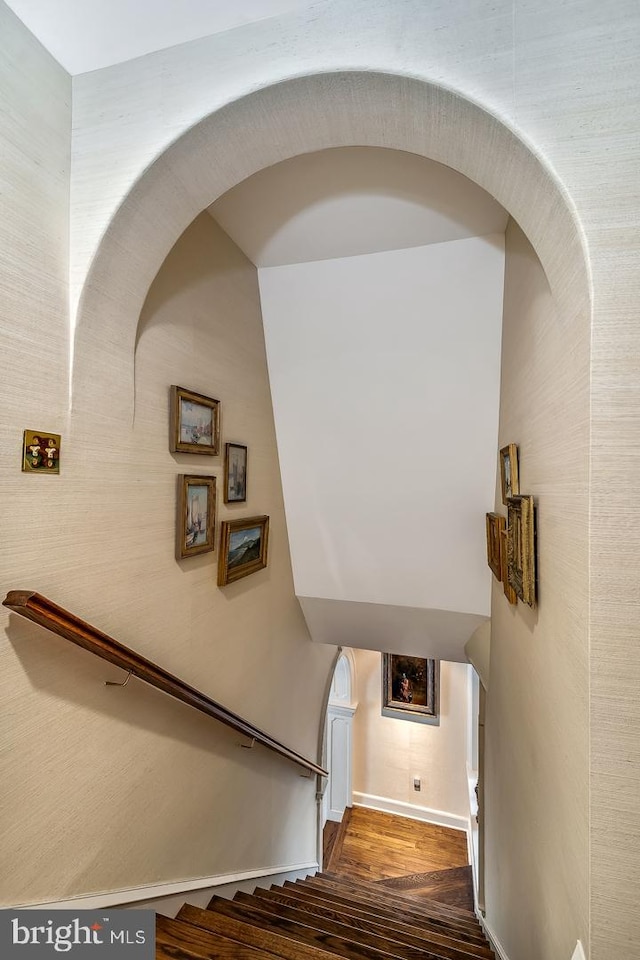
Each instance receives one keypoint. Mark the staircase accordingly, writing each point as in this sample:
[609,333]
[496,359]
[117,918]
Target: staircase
[320,918]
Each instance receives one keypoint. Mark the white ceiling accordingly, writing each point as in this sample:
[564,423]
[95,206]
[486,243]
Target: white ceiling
[351,201]
[85,35]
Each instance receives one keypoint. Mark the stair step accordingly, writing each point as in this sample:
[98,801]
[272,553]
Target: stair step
[336,943]
[356,918]
[369,936]
[409,911]
[384,888]
[221,924]
[177,940]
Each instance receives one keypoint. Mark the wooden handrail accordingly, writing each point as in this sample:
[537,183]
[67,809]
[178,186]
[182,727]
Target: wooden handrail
[48,614]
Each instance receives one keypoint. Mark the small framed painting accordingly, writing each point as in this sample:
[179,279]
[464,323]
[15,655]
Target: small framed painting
[521,548]
[509,482]
[40,451]
[243,548]
[495,525]
[235,473]
[196,515]
[195,423]
[410,688]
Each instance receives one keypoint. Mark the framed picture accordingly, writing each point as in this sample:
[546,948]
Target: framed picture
[509,592]
[509,483]
[40,451]
[195,423]
[243,548]
[495,525]
[410,688]
[235,473]
[521,550]
[196,515]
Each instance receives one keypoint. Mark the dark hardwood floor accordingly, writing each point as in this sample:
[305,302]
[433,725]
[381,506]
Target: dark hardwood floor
[420,860]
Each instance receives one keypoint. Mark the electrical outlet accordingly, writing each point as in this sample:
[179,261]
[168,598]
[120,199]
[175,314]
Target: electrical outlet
[416,783]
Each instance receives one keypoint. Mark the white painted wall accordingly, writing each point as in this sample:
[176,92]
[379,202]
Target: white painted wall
[388,753]
[384,374]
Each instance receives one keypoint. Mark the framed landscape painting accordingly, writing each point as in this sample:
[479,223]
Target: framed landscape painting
[243,548]
[195,423]
[509,482]
[235,473]
[196,515]
[410,688]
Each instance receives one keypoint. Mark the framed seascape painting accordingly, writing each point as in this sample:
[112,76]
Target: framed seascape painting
[521,549]
[495,525]
[410,688]
[195,423]
[196,515]
[509,482]
[243,548]
[235,473]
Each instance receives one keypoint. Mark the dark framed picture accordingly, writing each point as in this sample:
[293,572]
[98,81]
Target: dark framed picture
[521,548]
[243,548]
[509,482]
[40,451]
[410,688]
[235,473]
[196,515]
[495,525]
[195,423]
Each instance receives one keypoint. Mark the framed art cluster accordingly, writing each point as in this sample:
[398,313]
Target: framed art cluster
[511,541]
[194,428]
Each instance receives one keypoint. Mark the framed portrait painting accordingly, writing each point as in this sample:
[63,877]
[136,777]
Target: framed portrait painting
[509,481]
[196,515]
[243,548]
[194,423]
[235,473]
[410,688]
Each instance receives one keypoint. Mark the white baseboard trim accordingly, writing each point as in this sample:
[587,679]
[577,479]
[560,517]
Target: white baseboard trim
[155,891]
[496,946]
[411,810]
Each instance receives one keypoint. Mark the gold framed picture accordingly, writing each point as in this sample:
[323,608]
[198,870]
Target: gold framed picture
[509,481]
[509,592]
[521,548]
[235,473]
[196,515]
[495,524]
[243,548]
[410,688]
[194,423]
[41,451]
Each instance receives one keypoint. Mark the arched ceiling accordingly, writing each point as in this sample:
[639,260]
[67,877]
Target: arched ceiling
[350,201]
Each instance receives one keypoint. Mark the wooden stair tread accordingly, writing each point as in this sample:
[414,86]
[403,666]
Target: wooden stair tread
[377,889]
[357,918]
[300,931]
[176,939]
[238,929]
[409,910]
[369,935]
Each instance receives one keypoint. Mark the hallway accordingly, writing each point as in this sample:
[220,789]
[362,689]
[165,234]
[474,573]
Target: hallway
[419,859]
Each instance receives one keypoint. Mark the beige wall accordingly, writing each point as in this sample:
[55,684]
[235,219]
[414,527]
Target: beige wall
[109,788]
[388,753]
[537,786]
